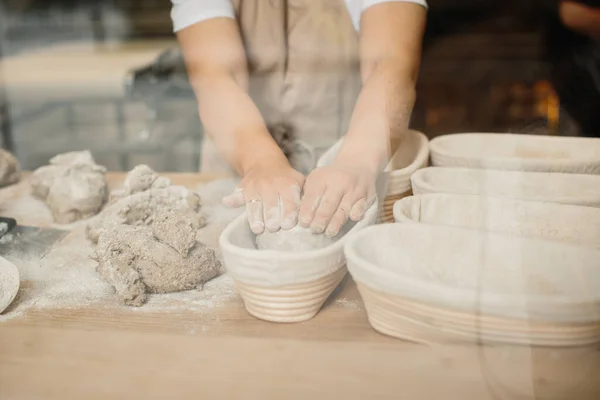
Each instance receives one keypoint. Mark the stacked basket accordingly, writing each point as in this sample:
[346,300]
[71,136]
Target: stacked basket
[500,243]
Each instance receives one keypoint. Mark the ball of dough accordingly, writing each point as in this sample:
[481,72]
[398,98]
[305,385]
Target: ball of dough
[297,239]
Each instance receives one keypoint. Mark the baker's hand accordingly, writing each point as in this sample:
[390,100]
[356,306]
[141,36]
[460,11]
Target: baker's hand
[334,193]
[271,193]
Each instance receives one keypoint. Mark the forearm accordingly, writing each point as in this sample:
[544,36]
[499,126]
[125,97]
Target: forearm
[218,75]
[233,122]
[381,115]
[580,18]
[390,52]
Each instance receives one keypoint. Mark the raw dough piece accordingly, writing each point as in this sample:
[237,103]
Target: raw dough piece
[73,186]
[9,283]
[146,239]
[135,262]
[9,168]
[145,194]
[297,239]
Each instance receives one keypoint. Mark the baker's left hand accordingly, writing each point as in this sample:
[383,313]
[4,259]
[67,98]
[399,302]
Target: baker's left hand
[334,193]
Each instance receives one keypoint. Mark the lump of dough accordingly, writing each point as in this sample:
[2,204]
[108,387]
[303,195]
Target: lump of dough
[132,207]
[9,168]
[73,186]
[297,239]
[136,262]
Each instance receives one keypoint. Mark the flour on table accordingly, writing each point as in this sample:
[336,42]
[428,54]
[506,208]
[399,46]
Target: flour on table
[66,278]
[73,186]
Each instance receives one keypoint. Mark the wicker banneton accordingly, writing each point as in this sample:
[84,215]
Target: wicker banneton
[564,188]
[439,284]
[544,220]
[285,286]
[517,152]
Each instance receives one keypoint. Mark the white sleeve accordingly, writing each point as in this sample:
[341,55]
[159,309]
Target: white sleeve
[188,12]
[356,7]
[368,3]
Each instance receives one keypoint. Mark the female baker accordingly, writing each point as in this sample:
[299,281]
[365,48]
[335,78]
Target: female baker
[269,74]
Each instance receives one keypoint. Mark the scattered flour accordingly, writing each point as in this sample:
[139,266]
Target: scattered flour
[66,277]
[348,304]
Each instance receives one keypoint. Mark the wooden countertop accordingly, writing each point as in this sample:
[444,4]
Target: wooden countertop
[89,352]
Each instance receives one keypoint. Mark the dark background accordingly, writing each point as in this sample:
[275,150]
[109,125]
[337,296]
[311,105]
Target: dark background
[487,66]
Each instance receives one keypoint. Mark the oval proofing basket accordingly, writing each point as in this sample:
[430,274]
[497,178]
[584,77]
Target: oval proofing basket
[551,221]
[576,189]
[517,152]
[432,283]
[281,286]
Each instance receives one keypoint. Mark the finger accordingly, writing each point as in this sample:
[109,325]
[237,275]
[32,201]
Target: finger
[313,193]
[271,207]
[254,211]
[290,202]
[340,217]
[235,199]
[360,207]
[327,207]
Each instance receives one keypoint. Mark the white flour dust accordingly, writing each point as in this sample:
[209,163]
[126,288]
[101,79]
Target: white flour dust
[348,304]
[66,277]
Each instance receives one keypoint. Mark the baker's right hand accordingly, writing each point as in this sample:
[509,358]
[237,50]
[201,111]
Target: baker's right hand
[271,192]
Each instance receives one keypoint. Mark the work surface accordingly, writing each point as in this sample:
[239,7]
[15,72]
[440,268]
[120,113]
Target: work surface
[211,348]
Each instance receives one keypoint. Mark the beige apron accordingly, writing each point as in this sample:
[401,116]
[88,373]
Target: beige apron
[304,75]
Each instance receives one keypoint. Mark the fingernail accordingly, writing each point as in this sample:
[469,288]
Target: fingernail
[257,227]
[358,210]
[289,222]
[273,225]
[332,231]
[226,201]
[305,221]
[317,228]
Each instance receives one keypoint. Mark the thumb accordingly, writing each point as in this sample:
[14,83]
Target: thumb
[235,199]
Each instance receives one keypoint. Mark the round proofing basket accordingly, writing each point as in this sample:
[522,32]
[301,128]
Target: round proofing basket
[479,272]
[575,189]
[517,152]
[551,221]
[282,286]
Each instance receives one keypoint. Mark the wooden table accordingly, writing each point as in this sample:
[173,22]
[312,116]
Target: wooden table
[109,353]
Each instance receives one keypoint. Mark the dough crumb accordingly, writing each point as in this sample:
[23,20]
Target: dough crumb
[73,186]
[146,239]
[10,171]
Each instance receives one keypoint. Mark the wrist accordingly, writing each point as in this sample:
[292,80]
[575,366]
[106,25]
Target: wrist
[370,157]
[365,161]
[268,157]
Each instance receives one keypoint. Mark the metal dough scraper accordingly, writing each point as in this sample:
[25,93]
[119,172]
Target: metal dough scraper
[18,240]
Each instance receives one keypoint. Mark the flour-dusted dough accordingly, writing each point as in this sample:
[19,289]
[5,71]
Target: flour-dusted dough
[297,239]
[9,168]
[146,238]
[9,283]
[144,195]
[136,262]
[73,186]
